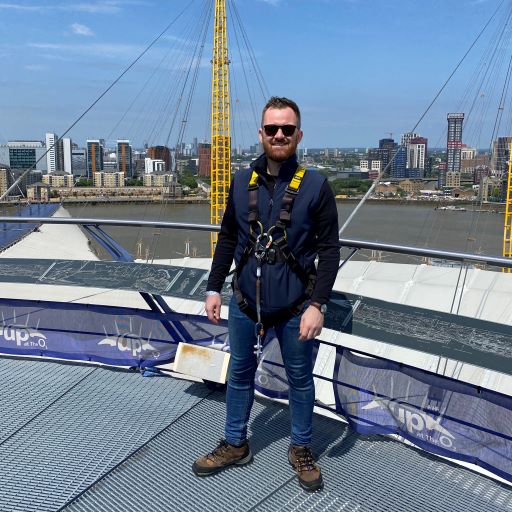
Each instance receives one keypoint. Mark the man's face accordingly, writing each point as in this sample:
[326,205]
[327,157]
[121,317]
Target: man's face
[280,147]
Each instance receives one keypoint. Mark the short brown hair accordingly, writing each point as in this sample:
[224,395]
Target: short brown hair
[277,102]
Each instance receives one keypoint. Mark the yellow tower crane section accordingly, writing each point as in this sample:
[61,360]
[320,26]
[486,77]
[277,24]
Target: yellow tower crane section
[220,118]
[507,232]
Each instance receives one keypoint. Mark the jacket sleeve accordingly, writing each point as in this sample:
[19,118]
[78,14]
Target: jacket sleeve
[326,222]
[225,248]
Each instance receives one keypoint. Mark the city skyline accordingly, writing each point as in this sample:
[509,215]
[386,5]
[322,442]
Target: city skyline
[344,78]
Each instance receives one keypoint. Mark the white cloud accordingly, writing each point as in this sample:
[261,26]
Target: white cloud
[95,7]
[20,7]
[102,7]
[81,30]
[36,67]
[275,3]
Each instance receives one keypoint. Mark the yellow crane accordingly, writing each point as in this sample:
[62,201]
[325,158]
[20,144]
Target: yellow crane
[507,232]
[220,160]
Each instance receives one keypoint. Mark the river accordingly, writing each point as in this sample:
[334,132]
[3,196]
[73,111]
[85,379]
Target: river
[404,223]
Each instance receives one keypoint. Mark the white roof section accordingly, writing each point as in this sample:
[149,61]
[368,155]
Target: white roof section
[477,293]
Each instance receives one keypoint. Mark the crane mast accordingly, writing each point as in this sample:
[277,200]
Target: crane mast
[507,232]
[220,168]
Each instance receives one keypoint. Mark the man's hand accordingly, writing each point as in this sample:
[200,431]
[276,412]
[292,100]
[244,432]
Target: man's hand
[212,307]
[311,324]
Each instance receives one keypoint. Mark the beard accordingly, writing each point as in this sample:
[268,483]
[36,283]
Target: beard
[279,152]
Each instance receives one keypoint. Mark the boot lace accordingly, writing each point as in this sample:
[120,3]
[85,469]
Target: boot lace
[304,459]
[220,451]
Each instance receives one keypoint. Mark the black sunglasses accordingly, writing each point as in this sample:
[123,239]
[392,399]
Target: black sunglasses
[287,129]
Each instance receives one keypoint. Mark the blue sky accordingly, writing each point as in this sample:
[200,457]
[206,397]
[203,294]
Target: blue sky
[359,69]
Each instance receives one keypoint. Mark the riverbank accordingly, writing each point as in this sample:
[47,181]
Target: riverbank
[435,204]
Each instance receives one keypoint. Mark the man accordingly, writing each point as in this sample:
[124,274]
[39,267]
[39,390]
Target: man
[277,220]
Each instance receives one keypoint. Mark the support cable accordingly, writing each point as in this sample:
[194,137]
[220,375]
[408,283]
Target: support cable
[244,71]
[374,184]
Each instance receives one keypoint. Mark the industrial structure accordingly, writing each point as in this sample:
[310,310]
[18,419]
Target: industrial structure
[220,127]
[507,232]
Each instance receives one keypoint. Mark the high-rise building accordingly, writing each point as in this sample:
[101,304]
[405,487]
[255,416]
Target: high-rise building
[399,156]
[94,157]
[24,154]
[399,163]
[500,156]
[59,154]
[204,150]
[79,162]
[52,148]
[416,153]
[407,137]
[160,153]
[124,158]
[66,151]
[386,147]
[453,145]
[499,164]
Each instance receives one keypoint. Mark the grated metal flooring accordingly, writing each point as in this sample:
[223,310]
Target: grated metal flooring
[77,438]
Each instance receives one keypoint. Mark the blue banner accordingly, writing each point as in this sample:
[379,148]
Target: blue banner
[438,414]
[109,335]
[376,396]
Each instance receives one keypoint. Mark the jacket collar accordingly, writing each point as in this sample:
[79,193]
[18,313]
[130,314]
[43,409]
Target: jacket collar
[286,171]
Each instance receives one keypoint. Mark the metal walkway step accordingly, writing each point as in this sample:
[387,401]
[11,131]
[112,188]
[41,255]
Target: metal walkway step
[67,443]
[363,474]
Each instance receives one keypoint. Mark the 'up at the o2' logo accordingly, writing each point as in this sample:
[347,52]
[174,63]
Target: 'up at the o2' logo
[22,335]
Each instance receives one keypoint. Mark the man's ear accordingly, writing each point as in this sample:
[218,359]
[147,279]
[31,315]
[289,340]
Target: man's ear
[299,136]
[260,135]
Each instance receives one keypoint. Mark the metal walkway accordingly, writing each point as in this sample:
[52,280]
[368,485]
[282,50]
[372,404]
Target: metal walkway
[80,438]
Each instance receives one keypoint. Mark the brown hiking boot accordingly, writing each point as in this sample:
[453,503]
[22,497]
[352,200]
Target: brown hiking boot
[302,460]
[223,456]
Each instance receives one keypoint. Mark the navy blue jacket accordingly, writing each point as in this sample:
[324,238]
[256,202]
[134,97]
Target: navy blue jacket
[313,231]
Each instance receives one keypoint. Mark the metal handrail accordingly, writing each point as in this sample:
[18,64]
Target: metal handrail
[347,242]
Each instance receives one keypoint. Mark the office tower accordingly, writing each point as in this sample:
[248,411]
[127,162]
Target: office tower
[453,145]
[124,158]
[94,157]
[204,159]
[24,154]
[52,157]
[160,153]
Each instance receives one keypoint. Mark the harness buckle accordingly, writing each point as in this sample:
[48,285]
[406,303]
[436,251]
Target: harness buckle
[263,244]
[260,225]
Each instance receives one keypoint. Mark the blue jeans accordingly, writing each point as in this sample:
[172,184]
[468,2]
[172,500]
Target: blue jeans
[298,361]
